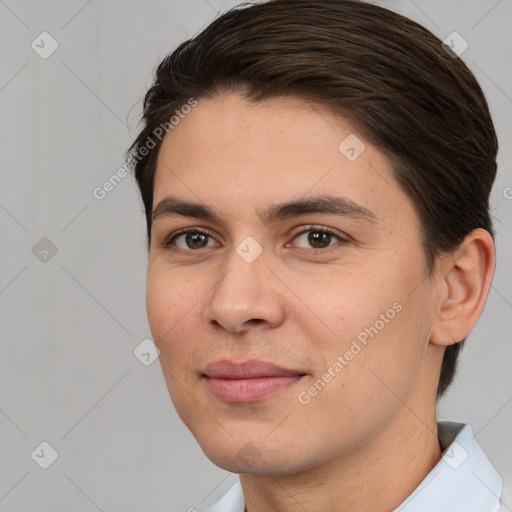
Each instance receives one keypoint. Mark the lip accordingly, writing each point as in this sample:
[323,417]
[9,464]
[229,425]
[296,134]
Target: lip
[227,369]
[248,381]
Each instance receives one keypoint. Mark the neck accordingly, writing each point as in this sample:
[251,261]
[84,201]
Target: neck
[376,477]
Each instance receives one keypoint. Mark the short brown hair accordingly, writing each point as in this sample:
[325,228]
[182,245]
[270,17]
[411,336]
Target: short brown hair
[389,76]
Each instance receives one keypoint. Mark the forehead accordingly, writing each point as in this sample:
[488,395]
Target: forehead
[230,153]
[281,125]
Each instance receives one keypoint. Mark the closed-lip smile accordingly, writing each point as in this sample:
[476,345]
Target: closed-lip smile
[248,381]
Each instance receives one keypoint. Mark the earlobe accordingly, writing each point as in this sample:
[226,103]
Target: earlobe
[466,276]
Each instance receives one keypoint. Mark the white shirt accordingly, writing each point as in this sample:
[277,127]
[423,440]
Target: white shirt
[463,481]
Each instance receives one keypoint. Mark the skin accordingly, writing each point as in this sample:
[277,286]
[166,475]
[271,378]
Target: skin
[301,306]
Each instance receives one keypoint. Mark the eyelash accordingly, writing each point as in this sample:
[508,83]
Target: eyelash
[166,244]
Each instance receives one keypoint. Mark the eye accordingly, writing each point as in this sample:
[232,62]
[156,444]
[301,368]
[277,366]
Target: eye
[193,239]
[189,239]
[318,237]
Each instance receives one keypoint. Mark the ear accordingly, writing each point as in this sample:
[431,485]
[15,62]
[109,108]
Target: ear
[465,279]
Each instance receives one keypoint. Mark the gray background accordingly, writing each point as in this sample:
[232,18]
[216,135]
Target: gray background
[69,324]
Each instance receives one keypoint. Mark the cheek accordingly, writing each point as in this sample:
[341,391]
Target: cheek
[372,323]
[158,304]
[173,309]
[168,311]
[167,308]
[168,298]
[343,307]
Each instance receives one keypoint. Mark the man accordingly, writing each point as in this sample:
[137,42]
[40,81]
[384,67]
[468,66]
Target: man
[316,179]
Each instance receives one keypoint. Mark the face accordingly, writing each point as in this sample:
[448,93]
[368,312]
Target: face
[286,332]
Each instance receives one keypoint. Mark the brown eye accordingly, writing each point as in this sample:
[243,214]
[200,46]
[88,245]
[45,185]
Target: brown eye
[190,240]
[318,238]
[196,240]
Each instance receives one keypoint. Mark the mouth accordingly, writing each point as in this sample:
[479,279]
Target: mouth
[248,381]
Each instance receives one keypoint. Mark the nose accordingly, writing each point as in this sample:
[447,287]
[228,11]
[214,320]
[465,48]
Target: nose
[247,295]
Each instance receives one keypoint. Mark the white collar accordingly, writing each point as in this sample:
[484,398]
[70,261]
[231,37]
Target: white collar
[463,480]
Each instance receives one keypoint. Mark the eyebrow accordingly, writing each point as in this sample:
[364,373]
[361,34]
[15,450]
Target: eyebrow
[341,206]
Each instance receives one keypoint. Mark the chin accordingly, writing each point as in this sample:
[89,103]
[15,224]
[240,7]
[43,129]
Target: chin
[248,456]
